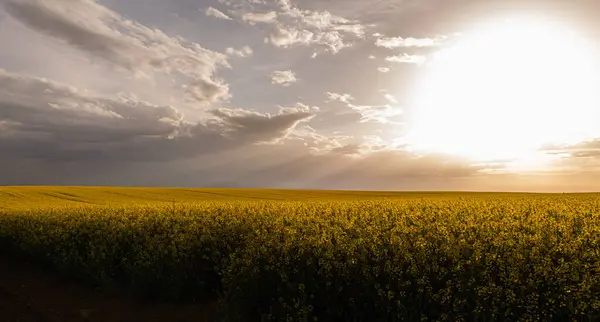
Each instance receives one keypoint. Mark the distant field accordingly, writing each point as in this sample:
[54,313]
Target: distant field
[24,197]
[299,255]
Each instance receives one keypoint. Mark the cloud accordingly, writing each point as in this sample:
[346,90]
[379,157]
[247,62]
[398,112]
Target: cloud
[45,120]
[204,89]
[212,12]
[399,42]
[267,17]
[124,44]
[243,52]
[52,133]
[299,107]
[285,37]
[377,113]
[344,98]
[332,41]
[370,144]
[345,167]
[261,127]
[390,98]
[369,113]
[407,59]
[586,149]
[268,165]
[383,69]
[283,77]
[290,25]
[321,20]
[357,29]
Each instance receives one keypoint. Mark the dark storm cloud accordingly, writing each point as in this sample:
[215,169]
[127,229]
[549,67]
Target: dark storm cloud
[56,134]
[258,127]
[283,166]
[46,120]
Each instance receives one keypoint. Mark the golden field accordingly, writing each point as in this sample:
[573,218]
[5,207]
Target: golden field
[285,255]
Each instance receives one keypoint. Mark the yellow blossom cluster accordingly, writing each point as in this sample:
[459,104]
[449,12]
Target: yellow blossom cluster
[495,258]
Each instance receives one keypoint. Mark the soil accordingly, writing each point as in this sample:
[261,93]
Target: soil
[28,294]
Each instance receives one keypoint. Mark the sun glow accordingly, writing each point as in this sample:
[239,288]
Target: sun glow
[505,89]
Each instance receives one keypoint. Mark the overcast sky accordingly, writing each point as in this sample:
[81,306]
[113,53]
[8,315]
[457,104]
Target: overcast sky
[245,93]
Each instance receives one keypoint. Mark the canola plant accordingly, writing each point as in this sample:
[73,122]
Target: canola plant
[498,258]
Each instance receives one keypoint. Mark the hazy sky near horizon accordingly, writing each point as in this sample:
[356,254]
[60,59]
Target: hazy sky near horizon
[325,94]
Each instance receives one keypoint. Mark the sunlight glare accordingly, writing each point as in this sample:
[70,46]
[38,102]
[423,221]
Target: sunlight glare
[505,89]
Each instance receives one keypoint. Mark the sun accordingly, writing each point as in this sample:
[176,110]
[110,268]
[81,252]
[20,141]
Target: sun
[505,89]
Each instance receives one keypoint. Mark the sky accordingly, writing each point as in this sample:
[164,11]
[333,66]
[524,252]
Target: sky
[312,94]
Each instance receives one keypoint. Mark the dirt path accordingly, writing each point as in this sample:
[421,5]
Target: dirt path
[29,294]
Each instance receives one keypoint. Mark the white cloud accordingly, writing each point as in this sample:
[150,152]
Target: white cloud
[377,113]
[293,26]
[344,98]
[324,20]
[243,52]
[332,40]
[383,69]
[390,98]
[124,44]
[369,113]
[370,144]
[357,29]
[268,17]
[212,12]
[399,42]
[317,143]
[299,107]
[284,78]
[203,89]
[406,58]
[285,37]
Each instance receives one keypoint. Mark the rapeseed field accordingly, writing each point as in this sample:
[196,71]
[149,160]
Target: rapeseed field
[284,255]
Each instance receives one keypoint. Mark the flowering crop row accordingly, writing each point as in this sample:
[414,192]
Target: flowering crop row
[469,259]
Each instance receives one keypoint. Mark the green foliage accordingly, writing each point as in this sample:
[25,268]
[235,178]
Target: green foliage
[452,258]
